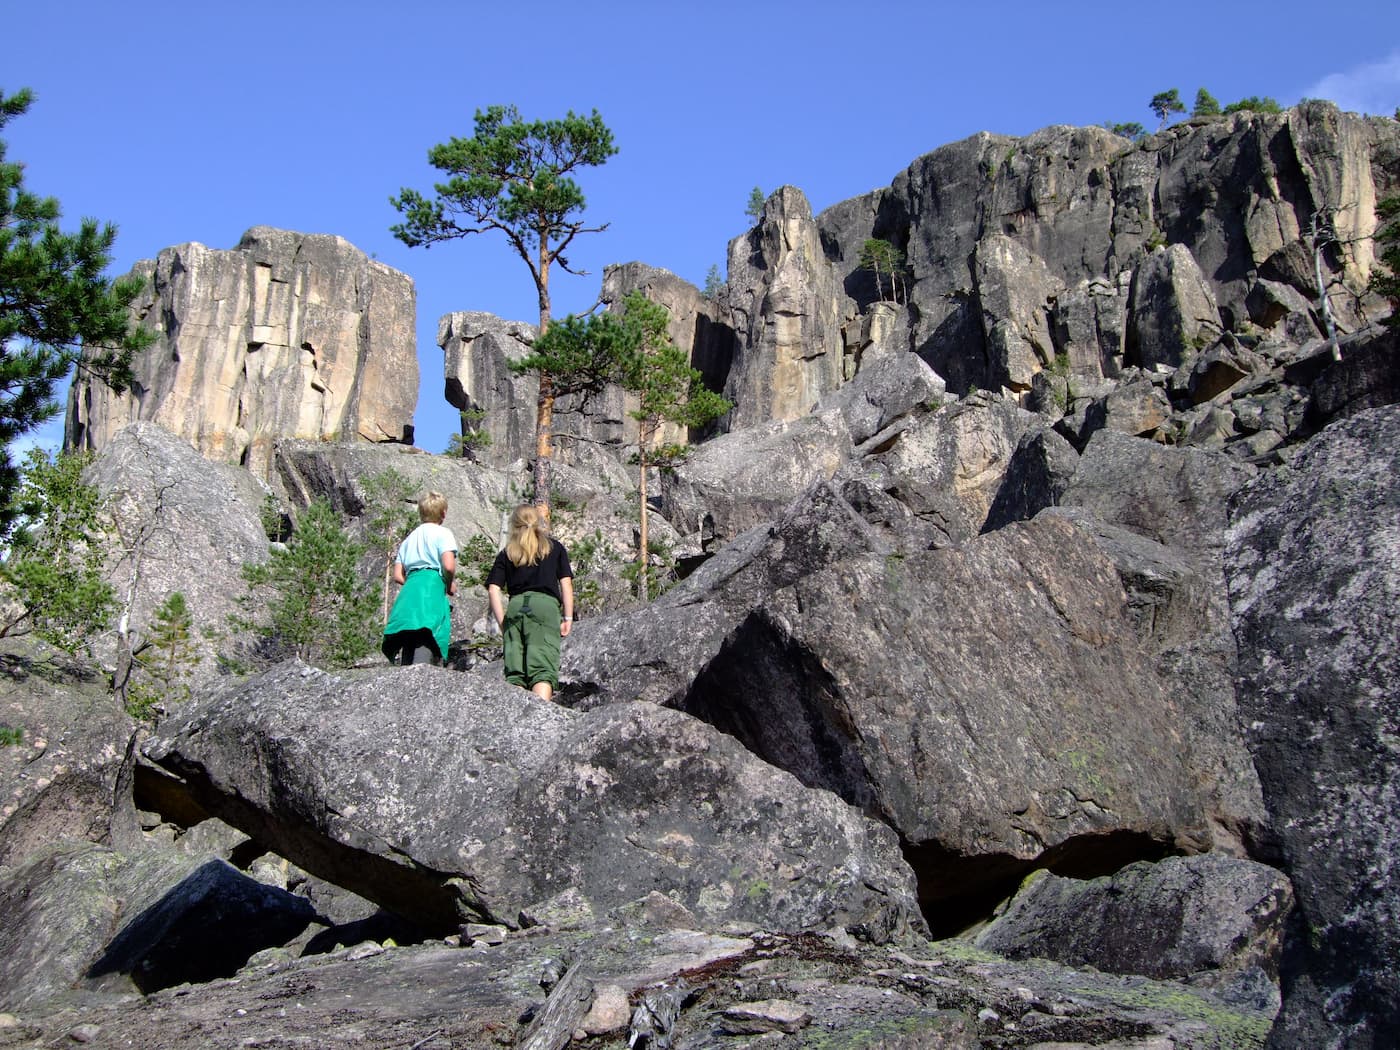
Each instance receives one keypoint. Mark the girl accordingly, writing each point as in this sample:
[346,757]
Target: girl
[420,625]
[534,570]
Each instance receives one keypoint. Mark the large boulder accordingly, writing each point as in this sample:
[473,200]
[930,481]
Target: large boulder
[1313,562]
[350,778]
[746,478]
[286,335]
[958,456]
[1176,496]
[1015,290]
[1215,920]
[1011,717]
[128,922]
[66,765]
[1160,514]
[184,524]
[1173,310]
[885,388]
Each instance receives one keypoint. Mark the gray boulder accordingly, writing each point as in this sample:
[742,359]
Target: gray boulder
[746,478]
[955,456]
[348,777]
[80,913]
[1313,565]
[1014,289]
[1036,477]
[1173,311]
[184,524]
[1175,496]
[989,701]
[1137,407]
[66,770]
[887,387]
[1214,920]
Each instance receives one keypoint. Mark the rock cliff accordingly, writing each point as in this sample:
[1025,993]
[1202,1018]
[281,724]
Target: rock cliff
[286,335]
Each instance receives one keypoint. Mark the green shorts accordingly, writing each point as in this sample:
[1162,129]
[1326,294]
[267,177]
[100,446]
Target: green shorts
[531,638]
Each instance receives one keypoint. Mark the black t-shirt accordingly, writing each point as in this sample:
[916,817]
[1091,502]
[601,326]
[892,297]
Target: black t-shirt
[543,576]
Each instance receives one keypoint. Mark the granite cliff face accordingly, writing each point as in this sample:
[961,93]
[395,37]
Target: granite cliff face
[1034,264]
[286,335]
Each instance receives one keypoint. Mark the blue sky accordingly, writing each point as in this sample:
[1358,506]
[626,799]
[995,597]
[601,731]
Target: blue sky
[192,122]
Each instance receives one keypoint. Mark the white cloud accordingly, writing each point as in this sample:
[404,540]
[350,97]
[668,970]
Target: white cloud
[1370,88]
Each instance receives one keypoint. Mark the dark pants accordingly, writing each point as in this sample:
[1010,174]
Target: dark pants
[412,647]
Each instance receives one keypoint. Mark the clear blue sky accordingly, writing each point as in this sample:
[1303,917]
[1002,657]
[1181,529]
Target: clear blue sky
[190,121]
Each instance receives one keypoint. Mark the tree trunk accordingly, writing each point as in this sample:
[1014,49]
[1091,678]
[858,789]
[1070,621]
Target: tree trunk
[1324,305]
[544,446]
[388,573]
[544,407]
[643,555]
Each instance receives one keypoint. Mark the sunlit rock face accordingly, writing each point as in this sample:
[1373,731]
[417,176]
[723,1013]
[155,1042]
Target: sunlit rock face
[288,335]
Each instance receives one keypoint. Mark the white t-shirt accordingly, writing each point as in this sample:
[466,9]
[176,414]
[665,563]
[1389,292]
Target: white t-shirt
[424,547]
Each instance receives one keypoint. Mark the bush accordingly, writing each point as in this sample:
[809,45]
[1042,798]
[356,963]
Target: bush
[53,553]
[314,602]
[166,660]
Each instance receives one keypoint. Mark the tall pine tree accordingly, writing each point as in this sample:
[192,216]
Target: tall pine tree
[517,177]
[56,308]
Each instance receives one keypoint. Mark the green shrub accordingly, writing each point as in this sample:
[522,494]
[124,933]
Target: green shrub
[312,599]
[53,553]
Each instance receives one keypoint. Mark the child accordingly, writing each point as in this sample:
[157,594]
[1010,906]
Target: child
[420,625]
[534,569]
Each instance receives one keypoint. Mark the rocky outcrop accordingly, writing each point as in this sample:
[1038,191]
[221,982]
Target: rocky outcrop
[1212,919]
[478,349]
[698,324]
[1313,561]
[338,774]
[787,306]
[66,764]
[286,335]
[1020,250]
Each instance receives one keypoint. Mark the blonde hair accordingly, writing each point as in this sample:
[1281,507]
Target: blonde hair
[432,507]
[528,542]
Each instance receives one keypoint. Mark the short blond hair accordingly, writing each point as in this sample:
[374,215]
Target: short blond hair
[432,507]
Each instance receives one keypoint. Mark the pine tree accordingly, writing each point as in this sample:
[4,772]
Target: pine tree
[668,390]
[315,603]
[754,209]
[884,260]
[166,660]
[56,308]
[1387,284]
[1255,104]
[516,177]
[714,283]
[1206,104]
[53,549]
[1165,103]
